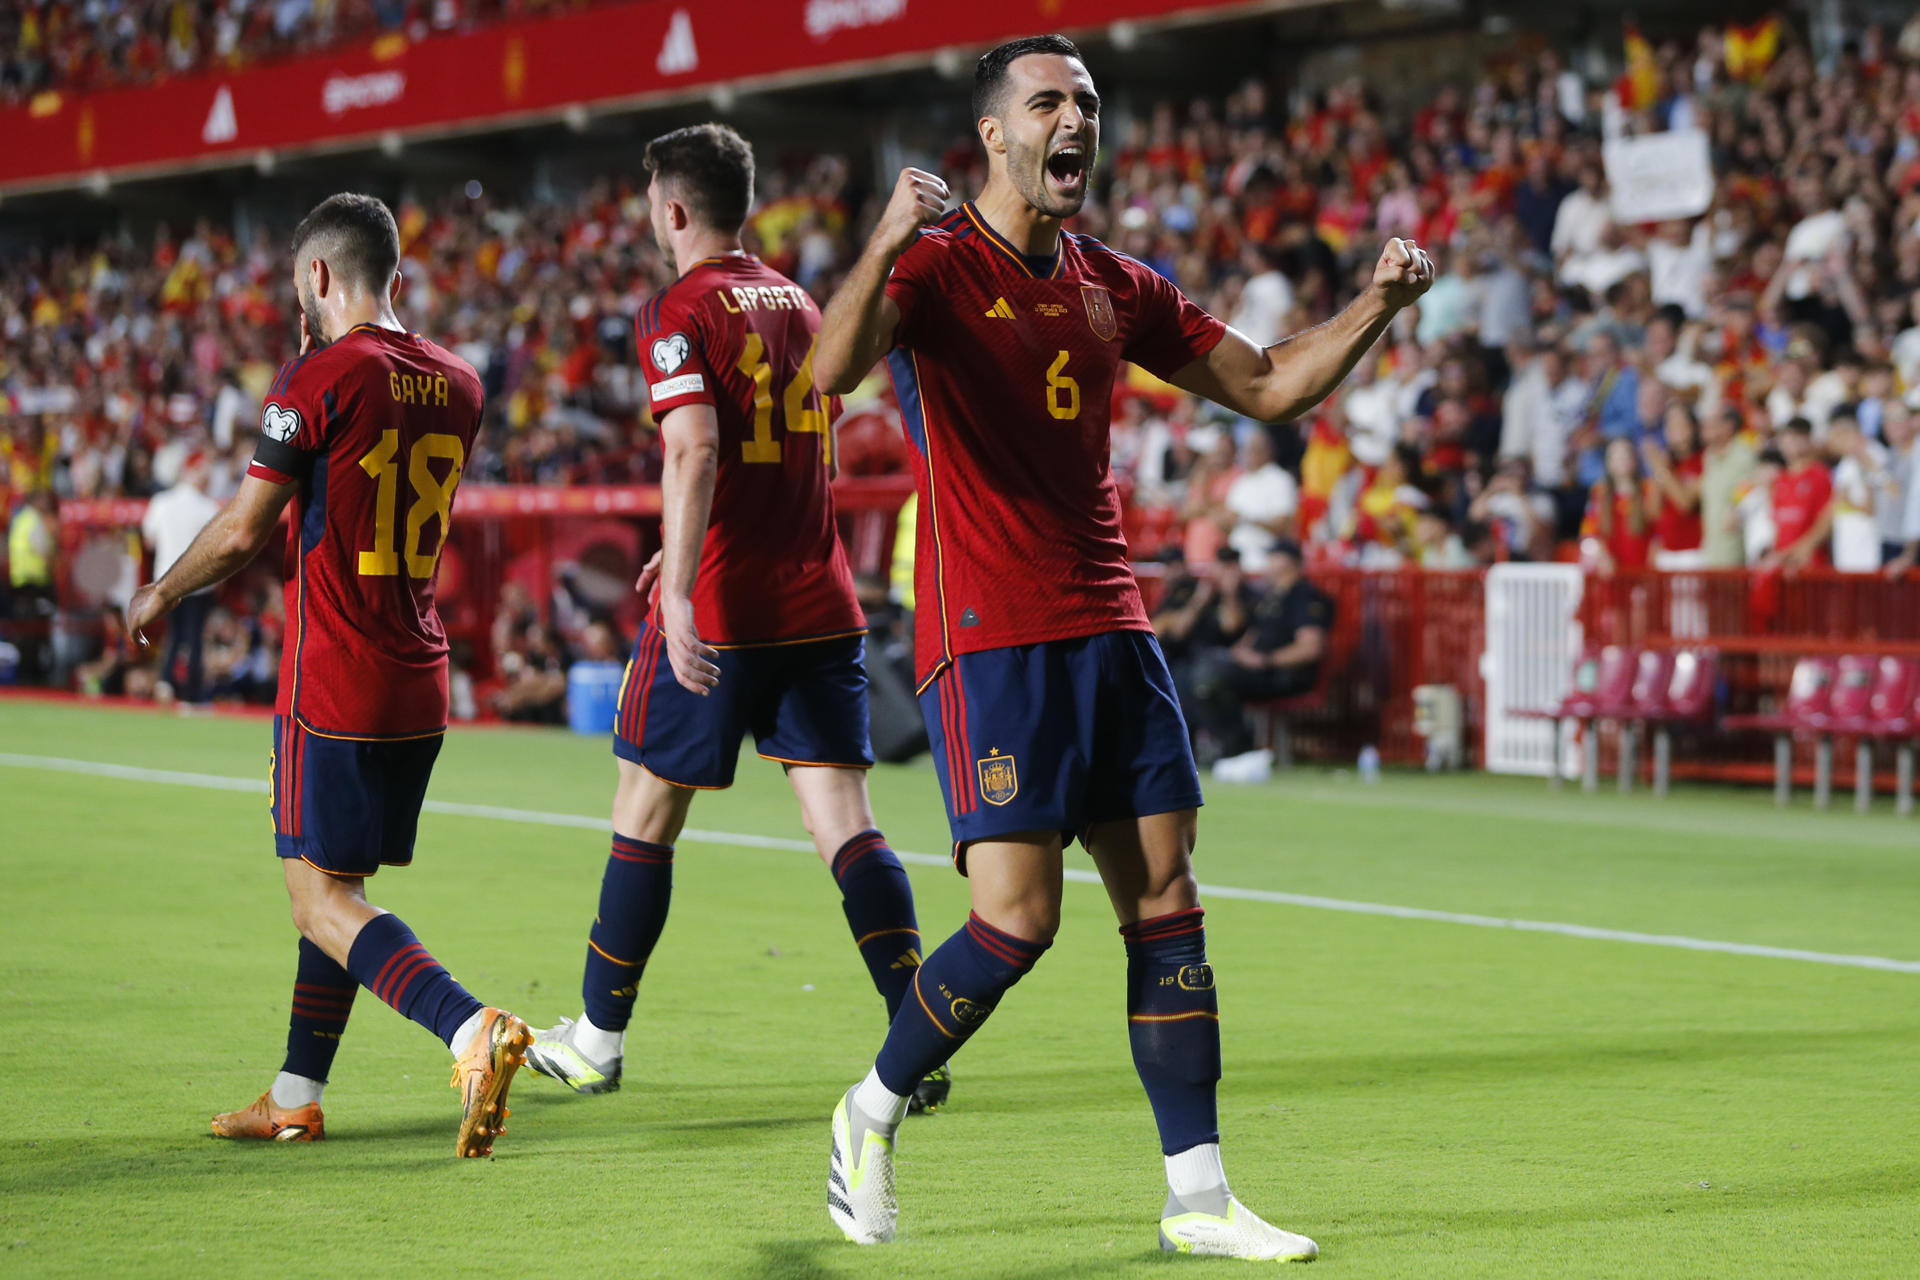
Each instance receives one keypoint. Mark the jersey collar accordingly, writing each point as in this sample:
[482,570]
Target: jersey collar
[1038,268]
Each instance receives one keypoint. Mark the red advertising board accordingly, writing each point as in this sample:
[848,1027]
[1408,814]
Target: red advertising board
[527,69]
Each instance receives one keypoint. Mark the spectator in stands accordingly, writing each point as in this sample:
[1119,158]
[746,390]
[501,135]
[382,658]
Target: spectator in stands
[1899,507]
[1674,463]
[1263,501]
[1727,463]
[32,536]
[1208,517]
[1519,516]
[1279,656]
[535,675]
[1199,613]
[1860,477]
[1800,496]
[1612,411]
[1435,543]
[119,670]
[174,518]
[1618,530]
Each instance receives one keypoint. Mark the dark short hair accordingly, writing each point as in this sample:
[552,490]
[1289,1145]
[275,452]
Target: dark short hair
[354,235]
[990,73]
[711,169]
[1799,426]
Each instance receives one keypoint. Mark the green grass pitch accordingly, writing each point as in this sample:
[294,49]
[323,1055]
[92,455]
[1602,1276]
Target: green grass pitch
[1425,1098]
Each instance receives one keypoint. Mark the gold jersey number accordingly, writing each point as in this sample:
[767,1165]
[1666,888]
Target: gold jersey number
[800,405]
[1063,393]
[433,497]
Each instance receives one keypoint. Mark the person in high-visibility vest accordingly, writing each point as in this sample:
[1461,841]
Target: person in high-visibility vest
[30,543]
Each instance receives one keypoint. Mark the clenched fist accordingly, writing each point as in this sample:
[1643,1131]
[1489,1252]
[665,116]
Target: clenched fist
[1403,273]
[919,199]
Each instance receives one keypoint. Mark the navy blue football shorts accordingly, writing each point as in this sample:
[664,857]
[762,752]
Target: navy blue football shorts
[804,703]
[1058,736]
[348,806]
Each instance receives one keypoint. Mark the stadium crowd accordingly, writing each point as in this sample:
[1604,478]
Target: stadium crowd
[94,44]
[1734,389]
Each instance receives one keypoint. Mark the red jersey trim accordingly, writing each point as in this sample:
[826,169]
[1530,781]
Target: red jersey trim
[781,644]
[372,737]
[1004,246]
[933,518]
[262,471]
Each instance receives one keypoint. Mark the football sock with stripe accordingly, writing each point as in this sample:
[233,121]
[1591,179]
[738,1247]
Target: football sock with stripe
[389,961]
[1173,1024]
[878,903]
[322,998]
[952,993]
[634,895]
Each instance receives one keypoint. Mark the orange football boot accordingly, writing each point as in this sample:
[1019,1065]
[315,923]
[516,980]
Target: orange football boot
[482,1075]
[264,1120]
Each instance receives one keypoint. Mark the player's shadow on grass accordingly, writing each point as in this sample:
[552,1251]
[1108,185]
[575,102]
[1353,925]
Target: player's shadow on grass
[835,1260]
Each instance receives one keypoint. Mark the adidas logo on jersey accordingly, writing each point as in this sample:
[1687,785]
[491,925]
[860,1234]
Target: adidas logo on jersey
[678,53]
[1000,310]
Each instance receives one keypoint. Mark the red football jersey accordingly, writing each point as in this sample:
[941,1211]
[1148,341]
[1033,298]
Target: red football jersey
[375,429]
[736,334]
[1005,368]
[1799,496]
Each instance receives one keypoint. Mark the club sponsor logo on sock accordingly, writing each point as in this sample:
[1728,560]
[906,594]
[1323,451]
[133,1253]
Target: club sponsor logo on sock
[1195,977]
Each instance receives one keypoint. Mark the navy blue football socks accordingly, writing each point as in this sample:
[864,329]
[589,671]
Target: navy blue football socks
[322,998]
[634,895]
[952,994]
[1173,1024]
[389,961]
[878,903]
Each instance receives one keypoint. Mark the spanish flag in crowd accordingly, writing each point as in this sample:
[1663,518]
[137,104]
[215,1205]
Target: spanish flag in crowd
[1752,48]
[1639,87]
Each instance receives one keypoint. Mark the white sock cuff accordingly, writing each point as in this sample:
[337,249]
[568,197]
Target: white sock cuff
[598,1043]
[1196,1170]
[879,1102]
[290,1090]
[468,1030]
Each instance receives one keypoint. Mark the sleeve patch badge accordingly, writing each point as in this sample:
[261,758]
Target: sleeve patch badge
[670,352]
[280,424]
[684,385]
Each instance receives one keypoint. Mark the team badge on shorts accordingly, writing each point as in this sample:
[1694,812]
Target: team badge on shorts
[999,778]
[1100,316]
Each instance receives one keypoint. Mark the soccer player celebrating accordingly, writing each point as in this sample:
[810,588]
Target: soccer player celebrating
[755,626]
[365,434]
[1046,697]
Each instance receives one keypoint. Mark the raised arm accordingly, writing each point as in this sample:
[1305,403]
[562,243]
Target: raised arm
[1281,382]
[227,545]
[858,325]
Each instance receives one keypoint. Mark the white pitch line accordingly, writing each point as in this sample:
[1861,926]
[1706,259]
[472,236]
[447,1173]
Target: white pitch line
[219,782]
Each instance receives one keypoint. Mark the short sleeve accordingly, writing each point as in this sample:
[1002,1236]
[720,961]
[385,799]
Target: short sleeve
[673,356]
[916,279]
[1168,332]
[293,425]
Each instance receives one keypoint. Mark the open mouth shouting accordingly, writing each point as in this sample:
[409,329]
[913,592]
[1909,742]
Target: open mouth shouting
[1067,169]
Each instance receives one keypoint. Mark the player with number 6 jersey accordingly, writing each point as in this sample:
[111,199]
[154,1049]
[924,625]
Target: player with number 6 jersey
[754,626]
[362,441]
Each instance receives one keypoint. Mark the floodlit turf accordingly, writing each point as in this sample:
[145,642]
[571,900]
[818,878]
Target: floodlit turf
[1426,1099]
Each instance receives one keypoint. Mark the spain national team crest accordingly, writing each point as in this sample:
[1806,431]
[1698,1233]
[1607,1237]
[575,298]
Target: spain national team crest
[1100,311]
[999,778]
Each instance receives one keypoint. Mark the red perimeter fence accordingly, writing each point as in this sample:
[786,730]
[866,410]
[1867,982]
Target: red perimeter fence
[1392,630]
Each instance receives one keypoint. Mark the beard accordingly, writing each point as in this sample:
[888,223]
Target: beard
[666,250]
[310,308]
[1027,170]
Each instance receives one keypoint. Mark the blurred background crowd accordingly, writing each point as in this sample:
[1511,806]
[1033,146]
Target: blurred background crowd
[1735,389]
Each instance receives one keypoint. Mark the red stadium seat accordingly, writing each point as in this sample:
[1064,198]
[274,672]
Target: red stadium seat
[1603,689]
[1808,695]
[1687,700]
[1889,713]
[1646,698]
